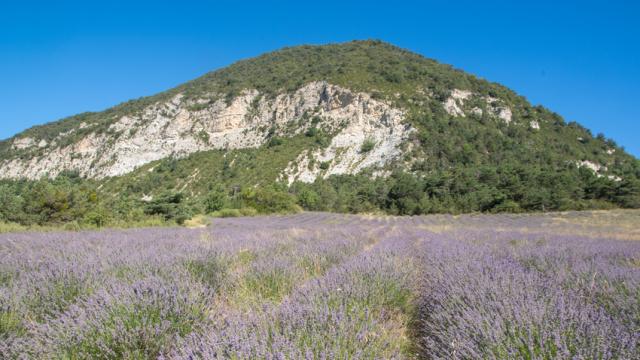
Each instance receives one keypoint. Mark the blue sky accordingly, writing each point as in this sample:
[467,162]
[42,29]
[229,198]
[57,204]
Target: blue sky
[580,59]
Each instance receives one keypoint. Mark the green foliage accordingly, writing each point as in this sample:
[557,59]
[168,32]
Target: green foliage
[171,206]
[211,270]
[508,187]
[270,200]
[312,132]
[97,218]
[505,188]
[216,199]
[324,165]
[227,213]
[626,193]
[367,145]
[204,136]
[275,141]
[10,324]
[309,199]
[64,199]
[11,227]
[270,285]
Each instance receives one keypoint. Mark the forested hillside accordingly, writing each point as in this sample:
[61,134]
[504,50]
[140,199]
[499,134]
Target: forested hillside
[362,126]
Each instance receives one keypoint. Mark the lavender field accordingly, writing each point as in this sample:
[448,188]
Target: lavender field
[329,286]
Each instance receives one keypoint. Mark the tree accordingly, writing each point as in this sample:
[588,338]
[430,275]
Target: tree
[11,204]
[216,199]
[309,199]
[628,193]
[270,200]
[169,205]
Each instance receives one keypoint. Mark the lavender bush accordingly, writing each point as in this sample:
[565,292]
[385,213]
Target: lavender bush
[531,298]
[326,286]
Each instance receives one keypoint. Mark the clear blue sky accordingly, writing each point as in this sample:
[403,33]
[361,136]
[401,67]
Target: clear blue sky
[57,58]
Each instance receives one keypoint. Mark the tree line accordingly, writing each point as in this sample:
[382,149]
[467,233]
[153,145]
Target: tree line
[69,199]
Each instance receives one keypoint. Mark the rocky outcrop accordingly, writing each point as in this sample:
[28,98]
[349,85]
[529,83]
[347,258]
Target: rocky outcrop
[455,105]
[379,127]
[179,127]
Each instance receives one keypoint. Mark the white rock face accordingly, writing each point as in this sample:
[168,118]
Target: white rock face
[534,125]
[591,166]
[178,128]
[614,178]
[23,143]
[597,169]
[505,114]
[477,111]
[376,123]
[454,105]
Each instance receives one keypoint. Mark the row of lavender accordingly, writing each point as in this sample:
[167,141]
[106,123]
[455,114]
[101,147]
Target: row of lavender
[509,295]
[321,286]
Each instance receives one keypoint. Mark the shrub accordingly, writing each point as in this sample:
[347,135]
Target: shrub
[143,322]
[311,132]
[325,165]
[97,218]
[275,141]
[367,145]
[270,200]
[171,206]
[216,199]
[308,199]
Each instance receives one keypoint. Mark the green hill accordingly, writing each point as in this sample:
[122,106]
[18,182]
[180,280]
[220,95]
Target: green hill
[362,126]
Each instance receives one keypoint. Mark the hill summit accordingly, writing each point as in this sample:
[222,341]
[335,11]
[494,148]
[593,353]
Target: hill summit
[404,133]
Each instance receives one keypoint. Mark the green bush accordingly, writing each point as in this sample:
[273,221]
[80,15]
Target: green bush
[311,132]
[367,145]
[170,205]
[97,218]
[309,199]
[216,199]
[275,141]
[270,200]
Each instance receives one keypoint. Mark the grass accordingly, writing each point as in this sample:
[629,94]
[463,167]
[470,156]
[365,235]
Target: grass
[149,221]
[198,221]
[10,324]
[211,270]
[228,213]
[13,227]
[271,285]
[317,265]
